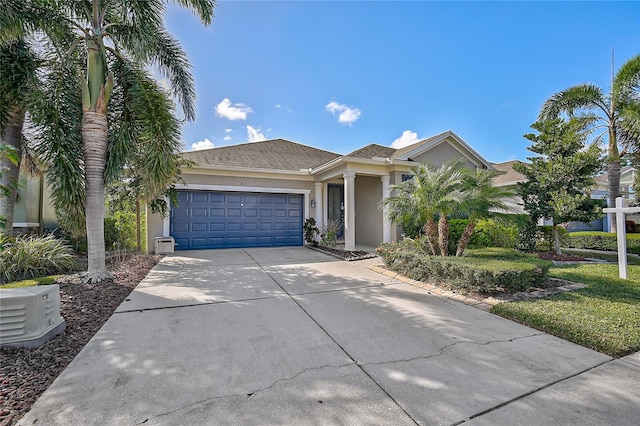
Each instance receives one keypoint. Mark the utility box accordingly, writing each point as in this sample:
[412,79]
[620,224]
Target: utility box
[29,316]
[165,245]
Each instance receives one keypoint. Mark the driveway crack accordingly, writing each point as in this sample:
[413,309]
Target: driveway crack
[444,348]
[245,395]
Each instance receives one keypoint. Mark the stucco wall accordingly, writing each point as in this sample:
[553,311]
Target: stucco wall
[441,153]
[368,217]
[26,209]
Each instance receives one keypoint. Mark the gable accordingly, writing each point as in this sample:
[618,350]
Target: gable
[442,153]
[440,148]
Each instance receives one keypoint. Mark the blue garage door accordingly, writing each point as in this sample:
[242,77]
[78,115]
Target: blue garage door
[209,219]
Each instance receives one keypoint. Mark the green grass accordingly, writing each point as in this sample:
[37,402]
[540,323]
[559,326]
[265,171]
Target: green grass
[32,282]
[604,316]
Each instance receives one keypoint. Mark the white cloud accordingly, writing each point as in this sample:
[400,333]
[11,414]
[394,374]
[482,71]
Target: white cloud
[407,138]
[348,115]
[227,138]
[231,111]
[205,144]
[228,130]
[254,135]
[278,106]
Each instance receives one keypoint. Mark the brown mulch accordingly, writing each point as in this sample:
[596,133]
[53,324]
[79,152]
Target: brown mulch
[549,255]
[26,373]
[347,255]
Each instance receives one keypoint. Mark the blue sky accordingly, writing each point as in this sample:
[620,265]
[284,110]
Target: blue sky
[339,75]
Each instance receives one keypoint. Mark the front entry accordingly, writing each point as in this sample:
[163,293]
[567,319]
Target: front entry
[335,206]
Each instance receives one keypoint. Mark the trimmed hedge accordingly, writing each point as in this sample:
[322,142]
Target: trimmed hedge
[598,240]
[488,271]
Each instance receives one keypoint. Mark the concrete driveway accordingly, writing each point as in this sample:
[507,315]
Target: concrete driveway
[292,336]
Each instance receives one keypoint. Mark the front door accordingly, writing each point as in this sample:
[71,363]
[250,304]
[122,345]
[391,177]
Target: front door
[335,204]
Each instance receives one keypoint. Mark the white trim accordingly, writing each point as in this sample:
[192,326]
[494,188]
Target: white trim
[166,224]
[26,224]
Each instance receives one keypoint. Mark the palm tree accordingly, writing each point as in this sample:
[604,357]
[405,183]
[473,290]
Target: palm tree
[604,111]
[483,200]
[431,193]
[119,109]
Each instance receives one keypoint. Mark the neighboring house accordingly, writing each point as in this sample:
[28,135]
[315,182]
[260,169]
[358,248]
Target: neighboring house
[510,178]
[33,212]
[258,194]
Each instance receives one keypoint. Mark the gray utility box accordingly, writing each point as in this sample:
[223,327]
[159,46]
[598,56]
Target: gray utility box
[165,245]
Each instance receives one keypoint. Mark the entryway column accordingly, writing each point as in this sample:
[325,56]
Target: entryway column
[386,223]
[349,210]
[318,195]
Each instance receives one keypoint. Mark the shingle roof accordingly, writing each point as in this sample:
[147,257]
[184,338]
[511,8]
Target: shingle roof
[373,150]
[508,175]
[276,154]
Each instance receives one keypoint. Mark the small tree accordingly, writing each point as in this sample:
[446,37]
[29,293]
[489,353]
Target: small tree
[560,176]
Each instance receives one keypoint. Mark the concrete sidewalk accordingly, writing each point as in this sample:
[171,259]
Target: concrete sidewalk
[292,336]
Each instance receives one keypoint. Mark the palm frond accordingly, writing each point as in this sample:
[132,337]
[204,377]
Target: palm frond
[202,8]
[573,99]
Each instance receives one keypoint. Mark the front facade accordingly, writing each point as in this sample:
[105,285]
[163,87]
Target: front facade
[259,194]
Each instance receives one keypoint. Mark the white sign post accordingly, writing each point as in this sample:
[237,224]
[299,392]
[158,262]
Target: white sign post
[620,210]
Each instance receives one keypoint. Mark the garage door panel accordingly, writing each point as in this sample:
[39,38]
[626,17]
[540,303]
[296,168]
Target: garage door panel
[199,227]
[216,226]
[236,220]
[234,227]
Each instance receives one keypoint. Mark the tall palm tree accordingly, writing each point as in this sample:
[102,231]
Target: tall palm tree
[606,111]
[431,193]
[119,109]
[483,199]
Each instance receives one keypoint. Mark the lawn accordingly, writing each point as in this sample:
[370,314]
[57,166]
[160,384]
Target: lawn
[604,316]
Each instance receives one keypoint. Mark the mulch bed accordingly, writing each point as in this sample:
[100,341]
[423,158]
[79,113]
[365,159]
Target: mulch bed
[26,373]
[348,255]
[549,255]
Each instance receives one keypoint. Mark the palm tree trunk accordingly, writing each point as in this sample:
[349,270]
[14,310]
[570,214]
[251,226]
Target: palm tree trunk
[614,181]
[431,231]
[443,235]
[465,237]
[94,139]
[11,135]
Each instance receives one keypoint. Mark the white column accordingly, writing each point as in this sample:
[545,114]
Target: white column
[318,195]
[349,210]
[386,223]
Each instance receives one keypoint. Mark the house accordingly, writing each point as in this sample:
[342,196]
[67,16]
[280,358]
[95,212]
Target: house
[258,194]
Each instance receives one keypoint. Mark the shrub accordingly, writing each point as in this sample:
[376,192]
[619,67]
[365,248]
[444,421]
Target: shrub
[598,240]
[544,237]
[31,257]
[311,231]
[485,271]
[487,233]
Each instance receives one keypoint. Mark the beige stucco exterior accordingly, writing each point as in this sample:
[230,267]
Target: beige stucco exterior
[366,180]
